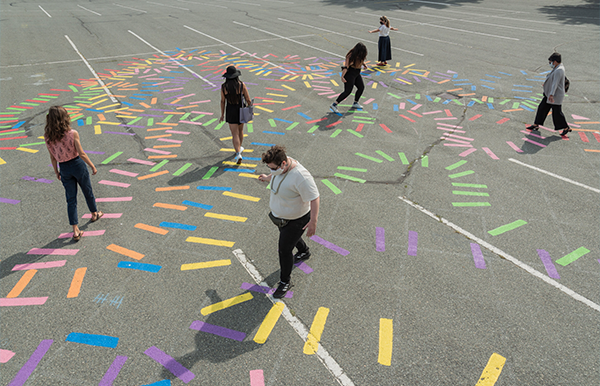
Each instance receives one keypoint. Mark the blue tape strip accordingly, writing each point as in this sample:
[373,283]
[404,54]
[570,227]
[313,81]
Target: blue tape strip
[93,340]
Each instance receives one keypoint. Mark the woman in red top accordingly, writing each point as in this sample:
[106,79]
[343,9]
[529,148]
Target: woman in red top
[65,150]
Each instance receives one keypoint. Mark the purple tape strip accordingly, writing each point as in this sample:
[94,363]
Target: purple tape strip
[477,256]
[217,330]
[330,245]
[113,371]
[263,290]
[9,201]
[413,239]
[31,363]
[379,239]
[170,364]
[548,264]
[304,267]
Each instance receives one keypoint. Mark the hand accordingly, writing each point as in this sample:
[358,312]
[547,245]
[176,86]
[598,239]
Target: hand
[312,228]
[343,79]
[57,175]
[94,170]
[221,119]
[263,177]
[551,99]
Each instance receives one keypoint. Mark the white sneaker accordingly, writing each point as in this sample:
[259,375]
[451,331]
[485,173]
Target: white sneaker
[241,149]
[334,108]
[356,105]
[238,158]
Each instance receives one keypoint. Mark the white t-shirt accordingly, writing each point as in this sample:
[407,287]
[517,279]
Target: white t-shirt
[383,30]
[294,193]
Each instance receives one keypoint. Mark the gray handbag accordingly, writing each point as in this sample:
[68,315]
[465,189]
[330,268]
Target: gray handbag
[246,112]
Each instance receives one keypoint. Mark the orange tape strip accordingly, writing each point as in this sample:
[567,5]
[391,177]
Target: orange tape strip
[125,251]
[76,282]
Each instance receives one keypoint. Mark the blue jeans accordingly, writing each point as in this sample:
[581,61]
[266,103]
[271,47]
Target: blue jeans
[75,172]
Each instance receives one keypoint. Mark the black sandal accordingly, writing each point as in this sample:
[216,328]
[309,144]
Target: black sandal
[565,131]
[532,128]
[78,237]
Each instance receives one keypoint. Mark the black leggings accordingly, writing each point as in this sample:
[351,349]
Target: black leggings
[290,236]
[352,78]
[558,118]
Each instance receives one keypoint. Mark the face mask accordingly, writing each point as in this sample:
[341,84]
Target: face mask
[380,22]
[278,171]
[551,65]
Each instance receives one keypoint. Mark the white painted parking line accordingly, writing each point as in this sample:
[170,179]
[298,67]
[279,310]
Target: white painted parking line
[170,6]
[197,3]
[291,40]
[44,11]
[173,60]
[397,32]
[555,175]
[135,9]
[89,10]
[106,90]
[239,49]
[330,364]
[505,255]
[338,33]
[443,27]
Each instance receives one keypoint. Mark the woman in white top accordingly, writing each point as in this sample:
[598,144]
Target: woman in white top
[385,47]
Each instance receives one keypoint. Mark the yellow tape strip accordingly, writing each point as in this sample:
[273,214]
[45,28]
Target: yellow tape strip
[316,330]
[268,323]
[226,303]
[386,337]
[492,370]
[206,264]
[225,217]
[241,196]
[219,243]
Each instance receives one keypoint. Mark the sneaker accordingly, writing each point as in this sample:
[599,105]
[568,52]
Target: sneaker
[334,108]
[282,288]
[356,105]
[302,256]
[238,158]
[241,149]
[532,128]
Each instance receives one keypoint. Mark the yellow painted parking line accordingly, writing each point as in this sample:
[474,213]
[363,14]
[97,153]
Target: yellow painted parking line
[248,175]
[277,95]
[386,337]
[245,150]
[241,196]
[27,150]
[316,330]
[206,264]
[226,217]
[492,370]
[262,108]
[219,243]
[226,303]
[268,323]
[240,165]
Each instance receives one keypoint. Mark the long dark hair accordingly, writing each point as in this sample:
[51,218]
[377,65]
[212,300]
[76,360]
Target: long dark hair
[58,123]
[357,55]
[233,88]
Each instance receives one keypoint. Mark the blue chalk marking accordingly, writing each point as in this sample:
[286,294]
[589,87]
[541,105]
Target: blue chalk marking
[487,80]
[139,266]
[493,76]
[490,106]
[525,108]
[528,99]
[18,125]
[239,170]
[520,85]
[486,86]
[455,76]
[446,101]
[164,382]
[413,102]
[143,94]
[127,104]
[430,99]
[95,110]
[142,99]
[514,89]
[523,72]
[504,73]
[197,205]
[93,340]
[213,188]
[304,116]
[178,226]
[262,144]
[462,84]
[283,120]
[80,122]
[470,103]
[460,80]
[396,106]
[375,107]
[536,80]
[273,132]
[473,88]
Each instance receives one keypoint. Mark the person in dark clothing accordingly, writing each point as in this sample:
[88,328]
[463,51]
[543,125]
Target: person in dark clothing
[355,60]
[231,92]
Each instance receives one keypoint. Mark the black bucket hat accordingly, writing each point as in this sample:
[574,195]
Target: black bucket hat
[231,72]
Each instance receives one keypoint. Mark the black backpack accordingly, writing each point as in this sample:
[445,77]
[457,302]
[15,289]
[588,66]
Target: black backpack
[567,84]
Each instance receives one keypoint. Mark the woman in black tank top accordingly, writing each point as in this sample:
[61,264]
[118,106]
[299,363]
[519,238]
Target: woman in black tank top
[231,92]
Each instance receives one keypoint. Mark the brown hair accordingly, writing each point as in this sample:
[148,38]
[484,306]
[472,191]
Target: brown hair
[385,20]
[58,122]
[276,154]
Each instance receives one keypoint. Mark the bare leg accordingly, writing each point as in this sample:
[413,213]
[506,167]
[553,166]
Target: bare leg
[241,133]
[235,136]
[76,231]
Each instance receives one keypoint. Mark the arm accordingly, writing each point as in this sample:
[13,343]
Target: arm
[373,31]
[314,214]
[222,106]
[265,178]
[82,154]
[247,96]
[394,29]
[54,165]
[557,78]
[346,64]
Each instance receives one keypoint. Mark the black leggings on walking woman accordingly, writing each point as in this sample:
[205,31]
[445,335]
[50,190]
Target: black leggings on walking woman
[353,78]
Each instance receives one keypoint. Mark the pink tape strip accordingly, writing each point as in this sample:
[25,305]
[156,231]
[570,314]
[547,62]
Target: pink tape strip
[48,264]
[157,151]
[467,152]
[114,183]
[257,378]
[106,215]
[177,132]
[15,302]
[114,199]
[169,140]
[515,147]
[85,234]
[5,355]
[52,251]
[124,173]
[139,161]
[490,153]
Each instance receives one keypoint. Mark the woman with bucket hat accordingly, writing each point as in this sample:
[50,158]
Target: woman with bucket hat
[232,91]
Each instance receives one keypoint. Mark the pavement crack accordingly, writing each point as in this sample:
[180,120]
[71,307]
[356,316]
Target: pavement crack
[84,26]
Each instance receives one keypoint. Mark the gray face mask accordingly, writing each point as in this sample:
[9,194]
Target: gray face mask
[551,65]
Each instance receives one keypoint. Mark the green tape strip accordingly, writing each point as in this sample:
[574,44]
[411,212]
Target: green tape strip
[32,144]
[112,157]
[184,116]
[159,165]
[355,179]
[469,185]
[290,127]
[12,132]
[272,122]
[167,118]
[134,121]
[454,166]
[331,186]
[219,125]
[369,157]
[465,193]
[571,257]
[210,122]
[210,172]
[471,204]
[352,169]
[150,122]
[504,102]
[88,121]
[182,169]
[250,128]
[387,157]
[198,117]
[403,158]
[507,227]
[461,174]
[425,161]
[335,133]
[359,135]
[73,88]
[394,95]
[312,129]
